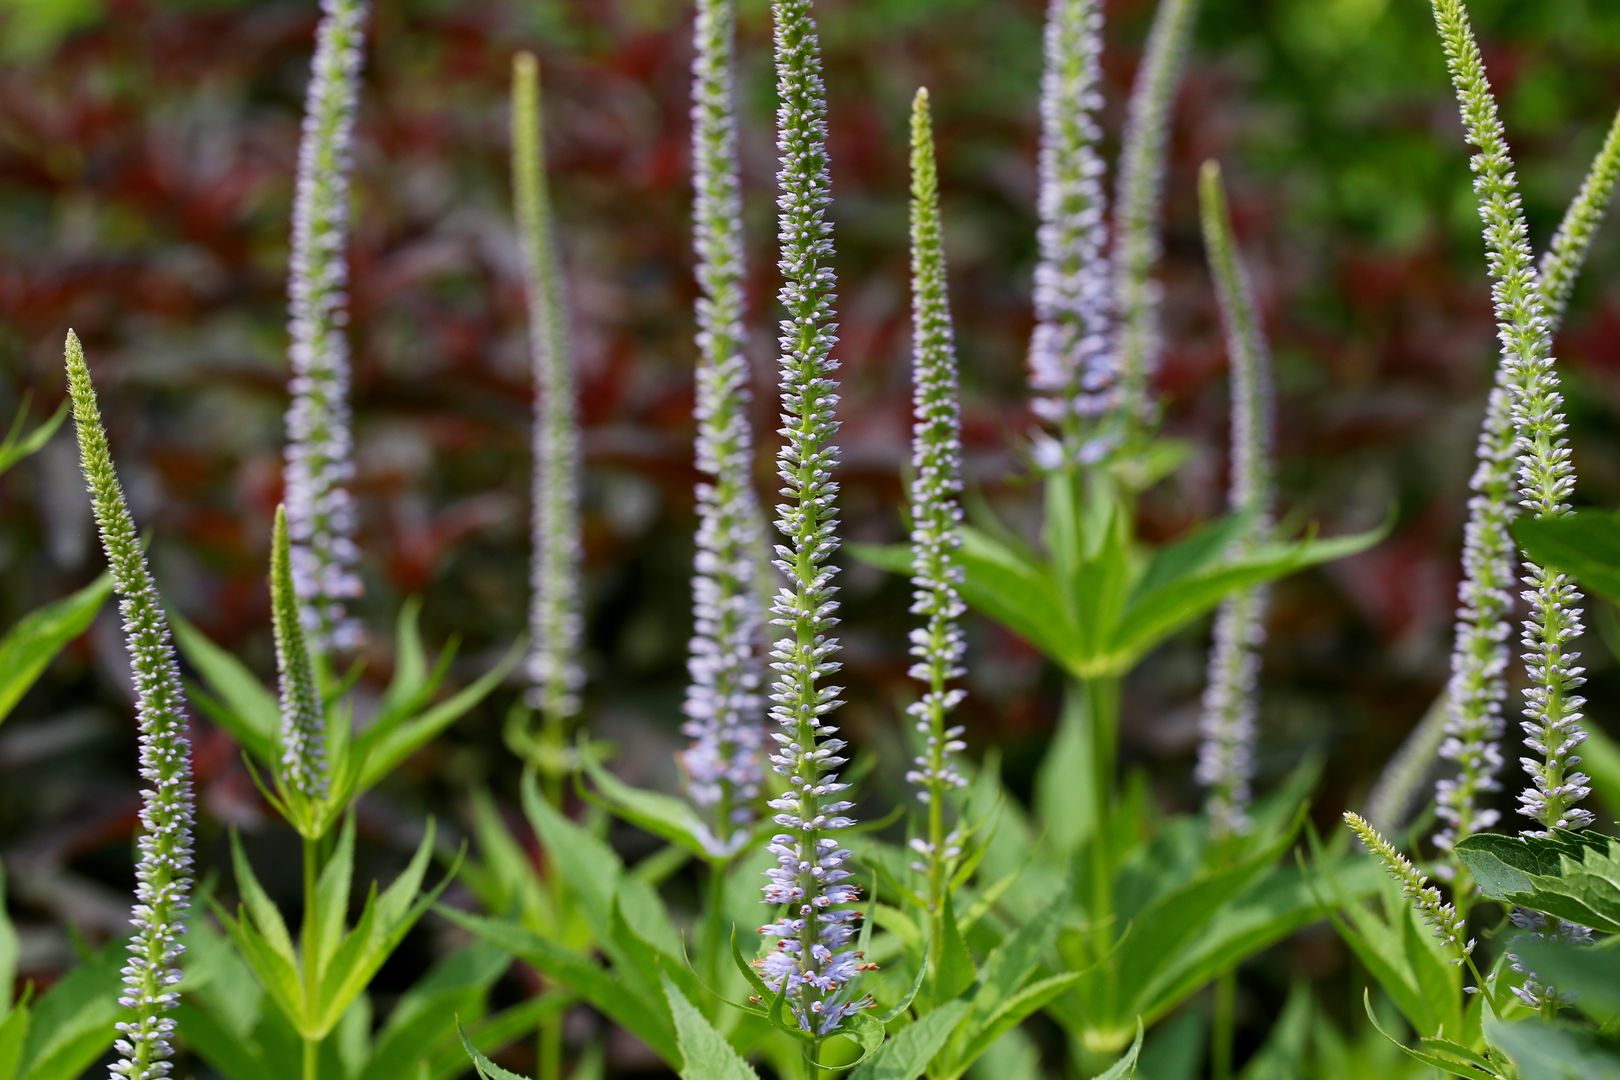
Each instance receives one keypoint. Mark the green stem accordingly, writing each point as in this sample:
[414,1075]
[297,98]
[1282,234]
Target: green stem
[812,1071]
[550,1050]
[1101,696]
[306,934]
[714,924]
[1223,1031]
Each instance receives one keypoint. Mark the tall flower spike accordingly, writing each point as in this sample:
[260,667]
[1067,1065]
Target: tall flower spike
[812,960]
[1443,919]
[555,621]
[724,765]
[163,872]
[1478,683]
[1226,754]
[1545,476]
[303,722]
[937,646]
[1071,358]
[1139,204]
[320,445]
[1561,264]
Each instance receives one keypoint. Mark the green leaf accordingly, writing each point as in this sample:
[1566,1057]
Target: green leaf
[417,1027]
[1586,973]
[590,867]
[589,980]
[1573,876]
[705,1054]
[906,1056]
[956,968]
[1549,1050]
[331,911]
[1154,613]
[8,951]
[1125,1067]
[1020,594]
[385,744]
[661,815]
[33,643]
[16,446]
[13,1034]
[487,1069]
[1006,974]
[1446,1063]
[1584,544]
[244,707]
[72,1023]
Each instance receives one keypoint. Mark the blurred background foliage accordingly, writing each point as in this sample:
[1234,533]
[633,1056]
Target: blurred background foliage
[146,161]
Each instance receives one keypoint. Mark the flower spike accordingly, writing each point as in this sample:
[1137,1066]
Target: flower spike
[1072,357]
[163,872]
[556,623]
[1139,204]
[937,645]
[812,963]
[320,444]
[1544,474]
[303,720]
[724,765]
[1448,925]
[1226,753]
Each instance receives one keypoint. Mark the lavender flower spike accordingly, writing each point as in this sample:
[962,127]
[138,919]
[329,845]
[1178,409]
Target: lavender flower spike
[556,624]
[1478,683]
[1226,753]
[812,962]
[724,765]
[1545,475]
[1448,925]
[936,514]
[163,873]
[1072,359]
[320,446]
[1140,201]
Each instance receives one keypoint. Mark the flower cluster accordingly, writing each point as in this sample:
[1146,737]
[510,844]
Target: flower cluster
[1227,726]
[937,645]
[811,961]
[724,765]
[556,624]
[320,445]
[1545,476]
[1443,918]
[163,873]
[1071,360]
[1140,201]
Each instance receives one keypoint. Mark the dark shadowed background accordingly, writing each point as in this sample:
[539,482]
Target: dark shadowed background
[146,160]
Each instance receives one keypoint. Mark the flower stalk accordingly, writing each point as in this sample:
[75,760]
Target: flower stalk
[1227,726]
[812,961]
[1543,473]
[1072,357]
[320,444]
[724,707]
[556,623]
[937,645]
[1139,204]
[163,870]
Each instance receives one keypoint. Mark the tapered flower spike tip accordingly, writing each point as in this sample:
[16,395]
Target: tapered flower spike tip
[813,962]
[937,645]
[303,724]
[1425,898]
[1227,725]
[1545,473]
[163,870]
[320,442]
[1073,362]
[724,765]
[1139,205]
[556,623]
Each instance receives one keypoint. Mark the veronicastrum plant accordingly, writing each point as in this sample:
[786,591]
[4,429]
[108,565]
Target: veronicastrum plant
[1556,878]
[979,935]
